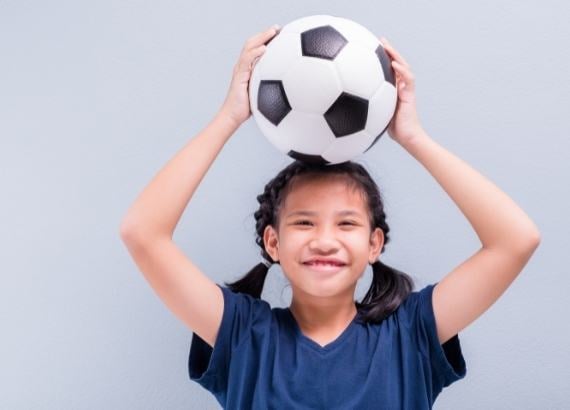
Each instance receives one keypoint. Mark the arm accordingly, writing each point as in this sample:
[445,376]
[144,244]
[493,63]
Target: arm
[508,236]
[149,224]
[148,227]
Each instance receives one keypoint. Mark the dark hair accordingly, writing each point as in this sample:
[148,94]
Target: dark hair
[389,286]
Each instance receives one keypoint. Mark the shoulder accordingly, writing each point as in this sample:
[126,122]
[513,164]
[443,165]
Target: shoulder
[416,303]
[243,315]
[243,306]
[416,313]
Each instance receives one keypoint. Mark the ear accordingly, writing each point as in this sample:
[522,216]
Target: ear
[376,243]
[271,242]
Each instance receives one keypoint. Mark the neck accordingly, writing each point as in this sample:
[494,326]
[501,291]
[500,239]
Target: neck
[324,315]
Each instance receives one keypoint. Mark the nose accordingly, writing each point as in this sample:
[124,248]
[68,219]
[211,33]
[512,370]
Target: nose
[324,240]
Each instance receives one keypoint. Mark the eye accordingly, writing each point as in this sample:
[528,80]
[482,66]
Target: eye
[302,222]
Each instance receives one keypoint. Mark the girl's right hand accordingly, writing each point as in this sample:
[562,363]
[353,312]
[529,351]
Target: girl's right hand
[236,104]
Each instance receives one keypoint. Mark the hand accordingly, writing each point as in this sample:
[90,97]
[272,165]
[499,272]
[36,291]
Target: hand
[405,124]
[236,104]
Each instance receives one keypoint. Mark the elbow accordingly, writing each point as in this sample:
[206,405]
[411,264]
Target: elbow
[532,242]
[127,231]
[124,234]
[529,238]
[534,237]
[533,234]
[519,244]
[132,239]
[134,233]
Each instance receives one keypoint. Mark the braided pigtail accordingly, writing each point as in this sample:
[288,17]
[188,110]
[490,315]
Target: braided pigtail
[267,214]
[389,286]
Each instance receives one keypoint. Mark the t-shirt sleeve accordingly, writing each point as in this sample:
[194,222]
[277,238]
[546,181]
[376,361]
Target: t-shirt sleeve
[444,361]
[210,366]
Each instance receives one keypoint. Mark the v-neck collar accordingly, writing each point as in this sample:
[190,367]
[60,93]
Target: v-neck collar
[300,336]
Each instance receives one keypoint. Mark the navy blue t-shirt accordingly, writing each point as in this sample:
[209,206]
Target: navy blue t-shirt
[262,360]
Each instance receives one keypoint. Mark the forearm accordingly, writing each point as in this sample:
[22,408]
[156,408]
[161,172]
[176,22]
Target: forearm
[157,210]
[496,218]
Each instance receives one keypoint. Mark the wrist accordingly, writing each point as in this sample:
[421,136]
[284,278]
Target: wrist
[413,139]
[225,117]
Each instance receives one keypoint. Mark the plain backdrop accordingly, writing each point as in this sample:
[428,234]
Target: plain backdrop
[96,97]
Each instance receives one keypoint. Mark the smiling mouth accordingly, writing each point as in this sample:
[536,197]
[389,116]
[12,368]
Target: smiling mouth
[324,263]
[324,267]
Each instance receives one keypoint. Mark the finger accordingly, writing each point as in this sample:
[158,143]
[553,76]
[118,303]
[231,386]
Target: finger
[248,58]
[255,54]
[261,38]
[392,51]
[395,55]
[403,70]
[406,75]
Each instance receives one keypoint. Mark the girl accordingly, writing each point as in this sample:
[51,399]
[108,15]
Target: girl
[397,348]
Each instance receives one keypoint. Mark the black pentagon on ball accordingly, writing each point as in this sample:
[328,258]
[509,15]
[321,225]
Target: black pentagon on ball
[322,42]
[386,65]
[272,101]
[307,158]
[347,114]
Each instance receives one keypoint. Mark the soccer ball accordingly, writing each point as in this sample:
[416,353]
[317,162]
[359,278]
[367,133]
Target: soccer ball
[324,90]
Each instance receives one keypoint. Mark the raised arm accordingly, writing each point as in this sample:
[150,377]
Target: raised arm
[149,224]
[508,236]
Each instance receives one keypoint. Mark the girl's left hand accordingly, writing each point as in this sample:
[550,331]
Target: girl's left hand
[405,124]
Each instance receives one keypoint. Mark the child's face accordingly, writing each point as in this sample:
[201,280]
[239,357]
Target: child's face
[326,233]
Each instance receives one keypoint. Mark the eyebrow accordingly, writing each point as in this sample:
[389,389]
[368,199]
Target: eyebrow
[311,213]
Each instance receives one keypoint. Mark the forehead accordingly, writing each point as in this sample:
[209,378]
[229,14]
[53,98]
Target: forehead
[331,193]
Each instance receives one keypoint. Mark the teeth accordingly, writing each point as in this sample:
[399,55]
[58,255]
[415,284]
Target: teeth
[324,263]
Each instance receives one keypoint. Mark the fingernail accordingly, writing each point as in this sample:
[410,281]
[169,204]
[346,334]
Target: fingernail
[276,27]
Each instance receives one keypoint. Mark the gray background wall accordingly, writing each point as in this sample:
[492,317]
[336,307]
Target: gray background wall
[95,97]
